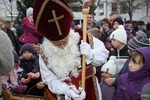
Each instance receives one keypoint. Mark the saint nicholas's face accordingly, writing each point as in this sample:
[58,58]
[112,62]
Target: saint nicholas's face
[63,44]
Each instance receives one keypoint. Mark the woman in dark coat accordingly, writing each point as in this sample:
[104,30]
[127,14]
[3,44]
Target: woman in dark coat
[10,34]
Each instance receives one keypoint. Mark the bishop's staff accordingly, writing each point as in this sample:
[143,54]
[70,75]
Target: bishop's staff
[85,11]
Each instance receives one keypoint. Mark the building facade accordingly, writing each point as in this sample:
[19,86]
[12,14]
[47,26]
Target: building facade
[105,7]
[8,10]
[103,10]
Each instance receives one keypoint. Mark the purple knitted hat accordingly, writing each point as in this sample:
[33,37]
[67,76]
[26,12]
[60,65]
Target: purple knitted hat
[119,20]
[27,47]
[126,26]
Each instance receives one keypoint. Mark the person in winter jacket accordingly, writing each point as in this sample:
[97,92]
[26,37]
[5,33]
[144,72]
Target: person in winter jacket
[141,30]
[132,82]
[133,43]
[11,35]
[10,80]
[6,57]
[30,35]
[109,69]
[119,41]
[31,74]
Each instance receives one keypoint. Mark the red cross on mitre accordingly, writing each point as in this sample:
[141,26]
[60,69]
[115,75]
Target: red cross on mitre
[52,18]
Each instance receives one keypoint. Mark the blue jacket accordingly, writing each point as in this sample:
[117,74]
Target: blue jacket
[131,83]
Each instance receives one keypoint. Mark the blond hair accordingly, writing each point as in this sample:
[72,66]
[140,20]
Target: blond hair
[2,20]
[95,32]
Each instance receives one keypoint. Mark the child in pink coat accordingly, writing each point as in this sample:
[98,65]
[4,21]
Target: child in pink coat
[10,80]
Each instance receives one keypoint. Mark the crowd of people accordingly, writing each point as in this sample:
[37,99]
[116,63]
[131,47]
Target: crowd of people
[43,56]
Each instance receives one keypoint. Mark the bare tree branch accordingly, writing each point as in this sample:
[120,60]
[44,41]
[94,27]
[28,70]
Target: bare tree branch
[81,1]
[130,5]
[6,6]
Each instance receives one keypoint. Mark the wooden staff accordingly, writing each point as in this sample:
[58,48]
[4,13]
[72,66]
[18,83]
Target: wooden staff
[85,11]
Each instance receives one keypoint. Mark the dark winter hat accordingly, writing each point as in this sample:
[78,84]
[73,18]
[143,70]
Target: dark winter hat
[119,20]
[140,23]
[16,57]
[138,41]
[145,93]
[27,47]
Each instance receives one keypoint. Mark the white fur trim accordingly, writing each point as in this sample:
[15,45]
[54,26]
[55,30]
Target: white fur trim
[63,61]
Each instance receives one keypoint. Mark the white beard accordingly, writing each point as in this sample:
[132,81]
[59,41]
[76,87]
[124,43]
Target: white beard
[63,62]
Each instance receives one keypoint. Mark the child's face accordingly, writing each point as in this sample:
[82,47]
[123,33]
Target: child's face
[135,65]
[106,75]
[105,24]
[27,55]
[115,43]
[116,25]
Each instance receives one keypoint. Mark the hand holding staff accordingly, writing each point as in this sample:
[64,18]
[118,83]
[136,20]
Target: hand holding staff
[85,11]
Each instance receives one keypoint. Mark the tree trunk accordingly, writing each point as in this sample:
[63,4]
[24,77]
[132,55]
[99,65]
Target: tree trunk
[130,16]
[147,5]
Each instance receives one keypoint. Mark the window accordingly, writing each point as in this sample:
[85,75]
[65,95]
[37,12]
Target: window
[123,8]
[101,8]
[71,1]
[76,9]
[114,6]
[74,5]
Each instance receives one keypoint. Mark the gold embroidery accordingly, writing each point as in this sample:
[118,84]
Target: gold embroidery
[95,84]
[90,37]
[43,56]
[40,13]
[43,7]
[59,42]
[63,5]
[56,21]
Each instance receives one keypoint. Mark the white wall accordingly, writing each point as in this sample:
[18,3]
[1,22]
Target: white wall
[4,9]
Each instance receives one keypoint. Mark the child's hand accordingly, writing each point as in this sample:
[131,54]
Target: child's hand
[30,75]
[36,75]
[111,49]
[25,81]
[40,85]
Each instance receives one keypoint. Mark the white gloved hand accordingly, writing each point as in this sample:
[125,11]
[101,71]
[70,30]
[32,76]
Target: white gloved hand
[76,94]
[73,92]
[86,50]
[82,94]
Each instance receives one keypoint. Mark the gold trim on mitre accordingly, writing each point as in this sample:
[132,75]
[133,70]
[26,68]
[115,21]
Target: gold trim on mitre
[40,13]
[64,6]
[44,5]
[60,42]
